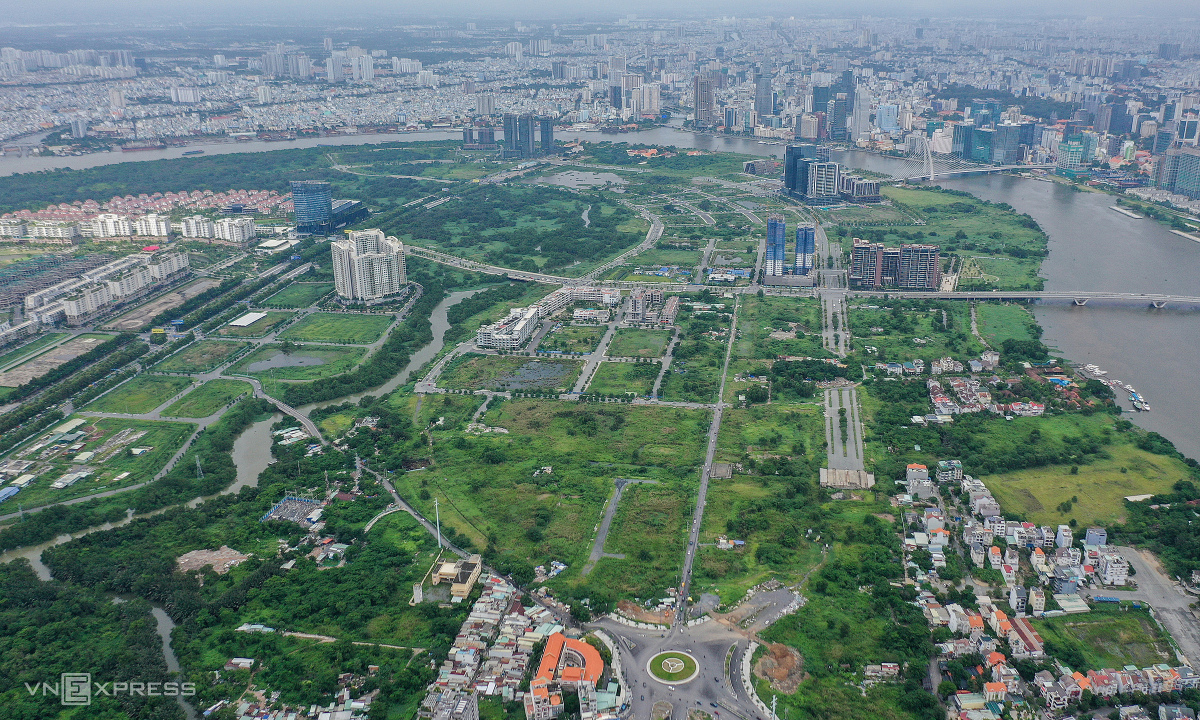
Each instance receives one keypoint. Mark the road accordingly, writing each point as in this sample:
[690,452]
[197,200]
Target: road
[591,361]
[714,432]
[845,452]
[610,511]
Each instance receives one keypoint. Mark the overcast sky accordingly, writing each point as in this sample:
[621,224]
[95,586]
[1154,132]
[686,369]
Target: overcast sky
[233,11]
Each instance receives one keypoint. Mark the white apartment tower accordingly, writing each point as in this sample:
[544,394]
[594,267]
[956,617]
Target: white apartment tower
[367,266]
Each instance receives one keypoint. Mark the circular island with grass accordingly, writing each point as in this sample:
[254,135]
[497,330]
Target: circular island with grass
[673,667]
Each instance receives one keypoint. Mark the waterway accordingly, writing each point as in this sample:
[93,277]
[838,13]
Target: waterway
[1091,248]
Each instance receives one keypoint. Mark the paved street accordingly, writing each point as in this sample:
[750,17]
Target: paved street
[845,452]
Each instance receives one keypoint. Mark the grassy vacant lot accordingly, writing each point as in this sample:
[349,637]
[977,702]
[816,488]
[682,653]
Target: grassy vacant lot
[304,362]
[208,398]
[759,317]
[1107,637]
[495,372]
[683,258]
[903,331]
[486,483]
[140,395]
[634,342]
[258,328]
[339,328]
[581,339]
[1003,321]
[299,295]
[617,378]
[29,347]
[1100,486]
[201,356]
[164,437]
[650,530]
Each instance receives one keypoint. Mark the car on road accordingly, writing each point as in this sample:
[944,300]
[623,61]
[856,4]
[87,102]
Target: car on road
[643,697]
[713,704]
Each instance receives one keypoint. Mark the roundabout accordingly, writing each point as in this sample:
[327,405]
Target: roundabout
[673,667]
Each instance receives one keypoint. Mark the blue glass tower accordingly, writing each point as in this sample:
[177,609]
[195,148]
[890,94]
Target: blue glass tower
[312,201]
[806,248]
[776,245]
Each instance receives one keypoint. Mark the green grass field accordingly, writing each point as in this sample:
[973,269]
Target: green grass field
[581,339]
[1107,637]
[208,398]
[650,530]
[346,329]
[634,342]
[201,356]
[299,295]
[256,329]
[486,486]
[759,317]
[304,362]
[618,378]
[495,372]
[139,395]
[900,332]
[1000,322]
[1100,486]
[663,666]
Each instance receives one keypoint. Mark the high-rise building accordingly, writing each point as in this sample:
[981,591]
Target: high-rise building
[836,114]
[806,248]
[963,141]
[776,255]
[1006,144]
[368,267]
[485,103]
[510,135]
[792,156]
[79,128]
[909,267]
[546,131]
[764,101]
[333,69]
[235,230]
[814,181]
[525,139]
[887,117]
[312,201]
[704,100]
[363,68]
[1168,51]
[1179,171]
[116,98]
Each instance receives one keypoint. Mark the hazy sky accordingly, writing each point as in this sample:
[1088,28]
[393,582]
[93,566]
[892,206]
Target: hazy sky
[234,11]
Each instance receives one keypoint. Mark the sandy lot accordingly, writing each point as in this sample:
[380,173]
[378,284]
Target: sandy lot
[140,316]
[47,361]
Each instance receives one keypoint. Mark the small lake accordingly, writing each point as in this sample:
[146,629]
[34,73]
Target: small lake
[282,360]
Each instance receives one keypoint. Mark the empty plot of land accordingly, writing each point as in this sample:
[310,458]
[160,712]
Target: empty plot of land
[208,398]
[140,395]
[141,316]
[338,328]
[201,356]
[634,342]
[221,559]
[299,295]
[49,360]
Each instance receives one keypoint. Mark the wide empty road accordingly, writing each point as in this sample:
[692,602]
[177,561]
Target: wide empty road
[845,450]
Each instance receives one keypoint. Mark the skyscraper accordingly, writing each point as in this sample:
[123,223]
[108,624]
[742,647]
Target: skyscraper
[546,126]
[764,102]
[525,139]
[887,117]
[704,100]
[312,201]
[836,116]
[806,248]
[776,256]
[792,156]
[367,267]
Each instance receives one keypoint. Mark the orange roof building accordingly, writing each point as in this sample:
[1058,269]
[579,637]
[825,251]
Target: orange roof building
[565,661]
